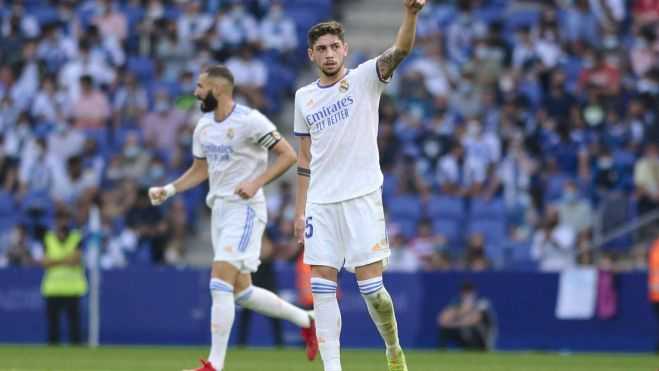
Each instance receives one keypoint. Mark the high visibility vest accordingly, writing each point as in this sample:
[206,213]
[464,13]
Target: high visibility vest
[303,282]
[653,272]
[63,280]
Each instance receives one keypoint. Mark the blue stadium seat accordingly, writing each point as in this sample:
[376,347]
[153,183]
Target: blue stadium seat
[44,14]
[440,207]
[554,186]
[405,207]
[492,209]
[6,204]
[521,17]
[451,229]
[142,67]
[407,227]
[493,230]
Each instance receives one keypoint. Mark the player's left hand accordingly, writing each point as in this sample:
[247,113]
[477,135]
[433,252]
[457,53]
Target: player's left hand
[246,190]
[414,5]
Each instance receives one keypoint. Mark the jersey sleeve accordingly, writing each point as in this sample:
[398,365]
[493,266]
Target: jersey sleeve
[300,127]
[370,75]
[197,147]
[262,131]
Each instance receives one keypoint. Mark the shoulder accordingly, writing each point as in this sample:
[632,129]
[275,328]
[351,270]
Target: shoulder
[301,92]
[205,119]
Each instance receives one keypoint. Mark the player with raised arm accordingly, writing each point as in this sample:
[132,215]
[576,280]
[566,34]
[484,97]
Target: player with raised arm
[230,146]
[339,213]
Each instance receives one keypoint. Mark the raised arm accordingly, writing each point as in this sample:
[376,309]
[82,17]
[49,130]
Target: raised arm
[303,177]
[197,173]
[392,57]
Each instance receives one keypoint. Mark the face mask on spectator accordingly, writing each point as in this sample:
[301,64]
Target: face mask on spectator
[131,151]
[569,196]
[156,172]
[161,106]
[61,128]
[22,130]
[605,163]
[473,128]
[276,14]
[238,12]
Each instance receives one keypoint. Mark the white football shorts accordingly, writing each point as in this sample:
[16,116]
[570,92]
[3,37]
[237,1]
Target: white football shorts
[349,233]
[236,231]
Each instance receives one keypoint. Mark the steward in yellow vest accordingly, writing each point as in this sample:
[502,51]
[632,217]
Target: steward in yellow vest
[64,280]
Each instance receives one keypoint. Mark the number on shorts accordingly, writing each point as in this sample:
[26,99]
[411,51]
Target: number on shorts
[308,228]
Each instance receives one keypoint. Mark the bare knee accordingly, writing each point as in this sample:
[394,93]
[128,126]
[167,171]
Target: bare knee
[366,272]
[225,271]
[243,281]
[324,272]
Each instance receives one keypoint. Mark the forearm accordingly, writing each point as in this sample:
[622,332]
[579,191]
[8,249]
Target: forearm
[274,171]
[194,176]
[301,196]
[406,33]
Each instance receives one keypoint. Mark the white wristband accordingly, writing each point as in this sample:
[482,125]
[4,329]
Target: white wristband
[170,190]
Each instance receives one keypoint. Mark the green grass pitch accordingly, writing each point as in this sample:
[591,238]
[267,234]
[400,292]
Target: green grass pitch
[64,358]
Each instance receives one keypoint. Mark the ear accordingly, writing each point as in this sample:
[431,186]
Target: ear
[345,49]
[310,53]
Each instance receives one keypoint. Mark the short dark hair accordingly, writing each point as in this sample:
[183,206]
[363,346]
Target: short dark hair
[219,71]
[467,287]
[325,28]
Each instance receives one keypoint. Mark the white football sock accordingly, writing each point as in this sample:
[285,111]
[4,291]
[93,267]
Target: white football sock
[271,305]
[223,311]
[328,322]
[381,309]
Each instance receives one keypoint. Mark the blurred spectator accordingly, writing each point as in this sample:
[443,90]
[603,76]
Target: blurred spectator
[70,75]
[600,74]
[65,141]
[646,179]
[558,102]
[37,173]
[475,255]
[553,244]
[462,32]
[130,102]
[162,125]
[64,279]
[250,76]
[21,249]
[238,27]
[174,52]
[460,175]
[466,321]
[193,24]
[581,25]
[576,213]
[135,159]
[466,101]
[111,22]
[150,225]
[426,243]
[92,109]
[645,11]
[402,259]
[50,104]
[55,48]
[438,74]
[645,52]
[28,24]
[278,31]
[74,188]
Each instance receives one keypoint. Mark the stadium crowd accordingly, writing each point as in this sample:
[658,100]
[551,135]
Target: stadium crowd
[513,132]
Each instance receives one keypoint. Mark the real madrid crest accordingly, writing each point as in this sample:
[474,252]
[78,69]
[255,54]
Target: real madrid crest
[230,133]
[344,86]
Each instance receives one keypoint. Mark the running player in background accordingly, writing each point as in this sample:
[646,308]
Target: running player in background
[230,148]
[339,214]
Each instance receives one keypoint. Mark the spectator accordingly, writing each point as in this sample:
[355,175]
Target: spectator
[426,242]
[438,74]
[173,52]
[460,175]
[646,179]
[466,321]
[150,225]
[92,109]
[74,188]
[402,259]
[37,173]
[193,24]
[553,244]
[238,27]
[50,105]
[162,125]
[250,76]
[475,256]
[462,32]
[21,250]
[110,22]
[55,48]
[28,24]
[277,31]
[581,26]
[599,74]
[558,102]
[84,64]
[130,102]
[135,159]
[64,279]
[576,213]
[65,141]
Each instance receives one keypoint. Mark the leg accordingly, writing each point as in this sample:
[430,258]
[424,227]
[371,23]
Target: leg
[450,335]
[267,303]
[73,314]
[328,315]
[223,310]
[381,308]
[52,313]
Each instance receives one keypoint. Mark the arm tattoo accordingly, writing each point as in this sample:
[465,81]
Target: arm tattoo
[303,172]
[388,62]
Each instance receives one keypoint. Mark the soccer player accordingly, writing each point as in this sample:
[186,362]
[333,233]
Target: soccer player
[230,146]
[339,214]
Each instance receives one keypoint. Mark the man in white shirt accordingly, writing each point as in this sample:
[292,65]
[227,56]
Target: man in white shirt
[553,245]
[230,145]
[339,213]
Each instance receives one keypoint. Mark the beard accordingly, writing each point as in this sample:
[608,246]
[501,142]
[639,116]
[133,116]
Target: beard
[208,103]
[331,73]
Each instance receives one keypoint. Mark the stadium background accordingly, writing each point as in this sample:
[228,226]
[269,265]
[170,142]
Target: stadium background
[537,93]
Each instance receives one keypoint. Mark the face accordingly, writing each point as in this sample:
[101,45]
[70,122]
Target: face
[328,52]
[205,93]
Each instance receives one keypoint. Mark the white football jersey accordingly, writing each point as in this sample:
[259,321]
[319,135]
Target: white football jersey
[342,120]
[236,150]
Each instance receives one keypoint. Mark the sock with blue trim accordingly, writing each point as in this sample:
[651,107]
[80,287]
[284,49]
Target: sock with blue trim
[271,305]
[381,309]
[328,322]
[223,311]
